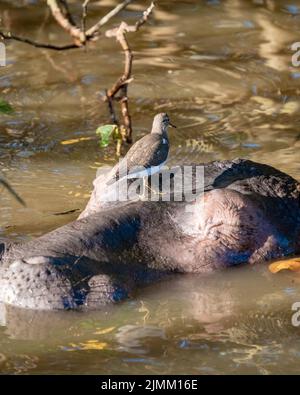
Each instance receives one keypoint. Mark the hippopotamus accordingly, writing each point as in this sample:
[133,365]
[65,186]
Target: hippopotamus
[248,213]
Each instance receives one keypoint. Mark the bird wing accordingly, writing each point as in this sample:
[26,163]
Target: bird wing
[140,155]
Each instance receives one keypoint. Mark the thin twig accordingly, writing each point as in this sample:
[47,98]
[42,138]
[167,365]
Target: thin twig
[83,18]
[12,191]
[126,116]
[80,36]
[120,34]
[94,29]
[144,18]
[64,22]
[124,28]
[113,116]
[68,14]
[9,36]
[122,83]
[64,18]
[121,38]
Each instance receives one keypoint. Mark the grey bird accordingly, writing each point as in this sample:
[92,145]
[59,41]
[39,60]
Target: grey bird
[147,155]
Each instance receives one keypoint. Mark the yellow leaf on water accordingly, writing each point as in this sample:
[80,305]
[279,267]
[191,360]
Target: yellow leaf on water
[288,264]
[93,345]
[74,141]
[105,330]
[88,345]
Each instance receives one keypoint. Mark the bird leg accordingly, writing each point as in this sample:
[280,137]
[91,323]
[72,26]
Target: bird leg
[149,188]
[145,192]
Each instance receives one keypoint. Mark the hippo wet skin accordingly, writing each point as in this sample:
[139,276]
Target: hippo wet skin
[250,214]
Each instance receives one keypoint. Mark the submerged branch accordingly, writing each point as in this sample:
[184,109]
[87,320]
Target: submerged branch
[12,192]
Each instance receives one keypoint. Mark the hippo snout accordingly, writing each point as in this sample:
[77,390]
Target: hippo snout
[47,283]
[33,284]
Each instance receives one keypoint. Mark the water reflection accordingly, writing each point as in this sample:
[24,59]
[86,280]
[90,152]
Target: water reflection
[232,321]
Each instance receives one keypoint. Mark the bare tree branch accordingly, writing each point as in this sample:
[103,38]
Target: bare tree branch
[9,36]
[81,36]
[124,28]
[83,18]
[113,116]
[67,11]
[94,29]
[119,33]
[64,22]
[12,191]
[65,19]
[122,83]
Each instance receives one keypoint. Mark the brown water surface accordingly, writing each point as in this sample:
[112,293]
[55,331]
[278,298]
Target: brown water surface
[223,71]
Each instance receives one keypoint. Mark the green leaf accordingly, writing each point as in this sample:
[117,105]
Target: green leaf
[5,107]
[106,133]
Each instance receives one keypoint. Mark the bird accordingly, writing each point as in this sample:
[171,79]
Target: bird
[148,155]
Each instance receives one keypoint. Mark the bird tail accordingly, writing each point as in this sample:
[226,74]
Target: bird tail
[111,181]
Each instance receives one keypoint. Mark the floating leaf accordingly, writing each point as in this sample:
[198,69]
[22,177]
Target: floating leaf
[74,141]
[288,264]
[88,345]
[93,345]
[105,330]
[107,133]
[5,107]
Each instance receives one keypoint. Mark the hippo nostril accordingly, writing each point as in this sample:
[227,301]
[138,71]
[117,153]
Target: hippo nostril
[119,294]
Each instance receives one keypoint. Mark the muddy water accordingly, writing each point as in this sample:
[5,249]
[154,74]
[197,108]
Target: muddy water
[223,71]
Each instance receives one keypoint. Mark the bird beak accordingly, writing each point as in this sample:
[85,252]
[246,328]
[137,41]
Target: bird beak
[172,125]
